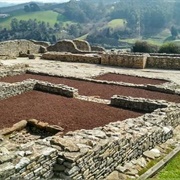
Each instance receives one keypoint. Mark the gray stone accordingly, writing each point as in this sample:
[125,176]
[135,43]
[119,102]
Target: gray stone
[113,176]
[121,169]
[22,163]
[155,152]
[149,154]
[65,144]
[72,171]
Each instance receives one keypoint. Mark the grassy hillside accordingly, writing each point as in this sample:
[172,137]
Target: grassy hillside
[117,24]
[46,16]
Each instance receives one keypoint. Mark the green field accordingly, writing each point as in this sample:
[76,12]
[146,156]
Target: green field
[46,16]
[117,23]
[171,171]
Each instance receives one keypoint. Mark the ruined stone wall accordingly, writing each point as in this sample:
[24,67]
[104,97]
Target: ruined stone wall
[82,45]
[163,62]
[124,60]
[60,89]
[68,57]
[12,49]
[97,49]
[8,90]
[140,104]
[26,161]
[64,46]
[13,70]
[93,154]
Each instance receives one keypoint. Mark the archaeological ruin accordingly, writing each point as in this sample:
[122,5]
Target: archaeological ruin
[76,112]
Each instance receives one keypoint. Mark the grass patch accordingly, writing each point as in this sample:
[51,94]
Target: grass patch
[171,170]
[149,165]
[83,37]
[117,23]
[46,16]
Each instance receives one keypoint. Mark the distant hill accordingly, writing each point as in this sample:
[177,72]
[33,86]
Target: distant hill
[101,22]
[5,4]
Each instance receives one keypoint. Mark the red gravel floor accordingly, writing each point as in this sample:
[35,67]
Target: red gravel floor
[97,89]
[129,79]
[69,113]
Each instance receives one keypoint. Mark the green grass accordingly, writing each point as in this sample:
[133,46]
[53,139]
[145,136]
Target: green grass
[156,40]
[170,171]
[83,37]
[117,23]
[46,16]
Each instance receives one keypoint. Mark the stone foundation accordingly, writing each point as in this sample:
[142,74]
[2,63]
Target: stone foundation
[124,60]
[83,154]
[8,90]
[16,48]
[163,62]
[68,57]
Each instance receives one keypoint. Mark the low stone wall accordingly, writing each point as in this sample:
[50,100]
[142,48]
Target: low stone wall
[75,46]
[60,89]
[13,70]
[162,62]
[93,154]
[28,161]
[90,154]
[124,60]
[82,45]
[64,46]
[8,90]
[68,57]
[98,49]
[140,104]
[14,48]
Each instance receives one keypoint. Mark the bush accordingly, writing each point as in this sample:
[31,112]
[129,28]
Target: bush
[170,48]
[145,47]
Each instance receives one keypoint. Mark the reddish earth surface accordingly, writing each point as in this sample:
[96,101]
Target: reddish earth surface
[129,79]
[69,113]
[96,89]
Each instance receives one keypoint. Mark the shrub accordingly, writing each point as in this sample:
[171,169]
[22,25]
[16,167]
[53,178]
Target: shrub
[170,48]
[143,46]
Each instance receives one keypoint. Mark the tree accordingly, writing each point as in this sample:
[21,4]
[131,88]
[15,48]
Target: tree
[34,7]
[174,32]
[27,8]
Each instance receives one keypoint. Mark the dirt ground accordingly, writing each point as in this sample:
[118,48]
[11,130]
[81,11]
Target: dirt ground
[103,91]
[69,113]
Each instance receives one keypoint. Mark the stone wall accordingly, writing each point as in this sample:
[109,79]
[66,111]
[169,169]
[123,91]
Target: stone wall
[8,90]
[89,154]
[124,60]
[26,161]
[13,70]
[82,45]
[97,49]
[163,62]
[140,104]
[93,154]
[14,48]
[68,57]
[75,46]
[60,89]
[64,46]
